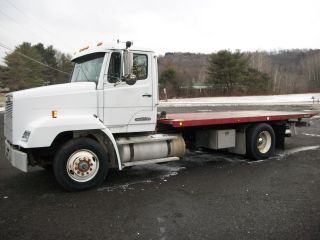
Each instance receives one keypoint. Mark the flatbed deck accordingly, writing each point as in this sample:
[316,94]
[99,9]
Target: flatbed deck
[178,120]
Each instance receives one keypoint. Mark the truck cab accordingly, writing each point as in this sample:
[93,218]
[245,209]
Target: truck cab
[111,86]
[126,83]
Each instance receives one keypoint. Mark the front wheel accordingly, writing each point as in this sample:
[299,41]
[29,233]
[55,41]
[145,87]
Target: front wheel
[80,164]
[260,141]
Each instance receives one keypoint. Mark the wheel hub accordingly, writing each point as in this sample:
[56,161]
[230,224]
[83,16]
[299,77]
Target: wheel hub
[82,165]
[261,141]
[264,141]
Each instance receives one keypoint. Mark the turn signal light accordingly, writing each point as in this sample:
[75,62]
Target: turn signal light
[54,114]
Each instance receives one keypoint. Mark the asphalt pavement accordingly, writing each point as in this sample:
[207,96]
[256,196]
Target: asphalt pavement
[207,195]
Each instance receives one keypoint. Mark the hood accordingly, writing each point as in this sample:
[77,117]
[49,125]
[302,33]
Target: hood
[54,90]
[36,104]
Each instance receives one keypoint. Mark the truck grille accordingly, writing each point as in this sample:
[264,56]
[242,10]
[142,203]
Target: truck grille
[8,118]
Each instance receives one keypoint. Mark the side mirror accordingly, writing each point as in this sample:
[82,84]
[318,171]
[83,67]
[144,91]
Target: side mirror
[129,77]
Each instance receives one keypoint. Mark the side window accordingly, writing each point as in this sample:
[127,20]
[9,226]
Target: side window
[140,66]
[114,71]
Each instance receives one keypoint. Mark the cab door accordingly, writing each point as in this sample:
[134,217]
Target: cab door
[129,108]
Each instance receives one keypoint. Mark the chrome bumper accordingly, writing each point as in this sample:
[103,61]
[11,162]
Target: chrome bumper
[16,157]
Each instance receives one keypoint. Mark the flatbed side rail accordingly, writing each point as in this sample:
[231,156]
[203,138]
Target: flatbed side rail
[220,118]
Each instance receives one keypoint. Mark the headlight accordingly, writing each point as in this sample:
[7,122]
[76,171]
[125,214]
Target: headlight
[25,136]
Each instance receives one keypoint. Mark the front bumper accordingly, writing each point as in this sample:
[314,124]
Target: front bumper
[16,157]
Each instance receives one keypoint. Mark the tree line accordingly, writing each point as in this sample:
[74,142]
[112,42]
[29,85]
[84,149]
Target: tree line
[240,73]
[21,69]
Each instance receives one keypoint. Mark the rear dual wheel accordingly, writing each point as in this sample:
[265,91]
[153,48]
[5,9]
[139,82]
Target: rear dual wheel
[260,141]
[80,164]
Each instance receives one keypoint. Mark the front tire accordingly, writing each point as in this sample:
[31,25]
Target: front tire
[260,141]
[80,164]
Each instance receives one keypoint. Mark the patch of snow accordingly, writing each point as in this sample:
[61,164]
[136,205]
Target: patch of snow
[256,161]
[311,135]
[298,149]
[286,153]
[123,187]
[290,99]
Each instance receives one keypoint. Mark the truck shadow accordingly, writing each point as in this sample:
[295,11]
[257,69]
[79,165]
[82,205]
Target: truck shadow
[151,173]
[126,179]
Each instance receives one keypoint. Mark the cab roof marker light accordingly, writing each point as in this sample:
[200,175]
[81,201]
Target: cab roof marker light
[85,48]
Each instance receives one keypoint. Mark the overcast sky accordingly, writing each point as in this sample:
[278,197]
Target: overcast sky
[163,25]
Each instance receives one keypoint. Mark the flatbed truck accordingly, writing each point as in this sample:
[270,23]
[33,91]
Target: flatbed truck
[107,117]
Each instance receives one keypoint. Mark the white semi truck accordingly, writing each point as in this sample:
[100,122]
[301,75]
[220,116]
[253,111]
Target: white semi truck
[106,117]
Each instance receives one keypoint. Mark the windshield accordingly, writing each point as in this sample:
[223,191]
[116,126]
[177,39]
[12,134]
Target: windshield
[87,68]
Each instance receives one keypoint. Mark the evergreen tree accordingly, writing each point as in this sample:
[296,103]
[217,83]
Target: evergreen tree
[226,70]
[231,72]
[4,76]
[168,80]
[21,72]
[167,76]
[48,57]
[64,64]
[256,82]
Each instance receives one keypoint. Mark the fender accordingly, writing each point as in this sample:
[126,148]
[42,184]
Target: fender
[109,134]
[44,130]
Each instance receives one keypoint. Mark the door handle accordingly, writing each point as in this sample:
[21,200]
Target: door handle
[146,95]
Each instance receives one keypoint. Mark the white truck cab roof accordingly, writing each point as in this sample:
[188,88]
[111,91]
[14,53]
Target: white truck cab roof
[105,47]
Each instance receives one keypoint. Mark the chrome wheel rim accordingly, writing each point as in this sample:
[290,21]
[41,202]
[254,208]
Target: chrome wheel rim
[264,141]
[82,165]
